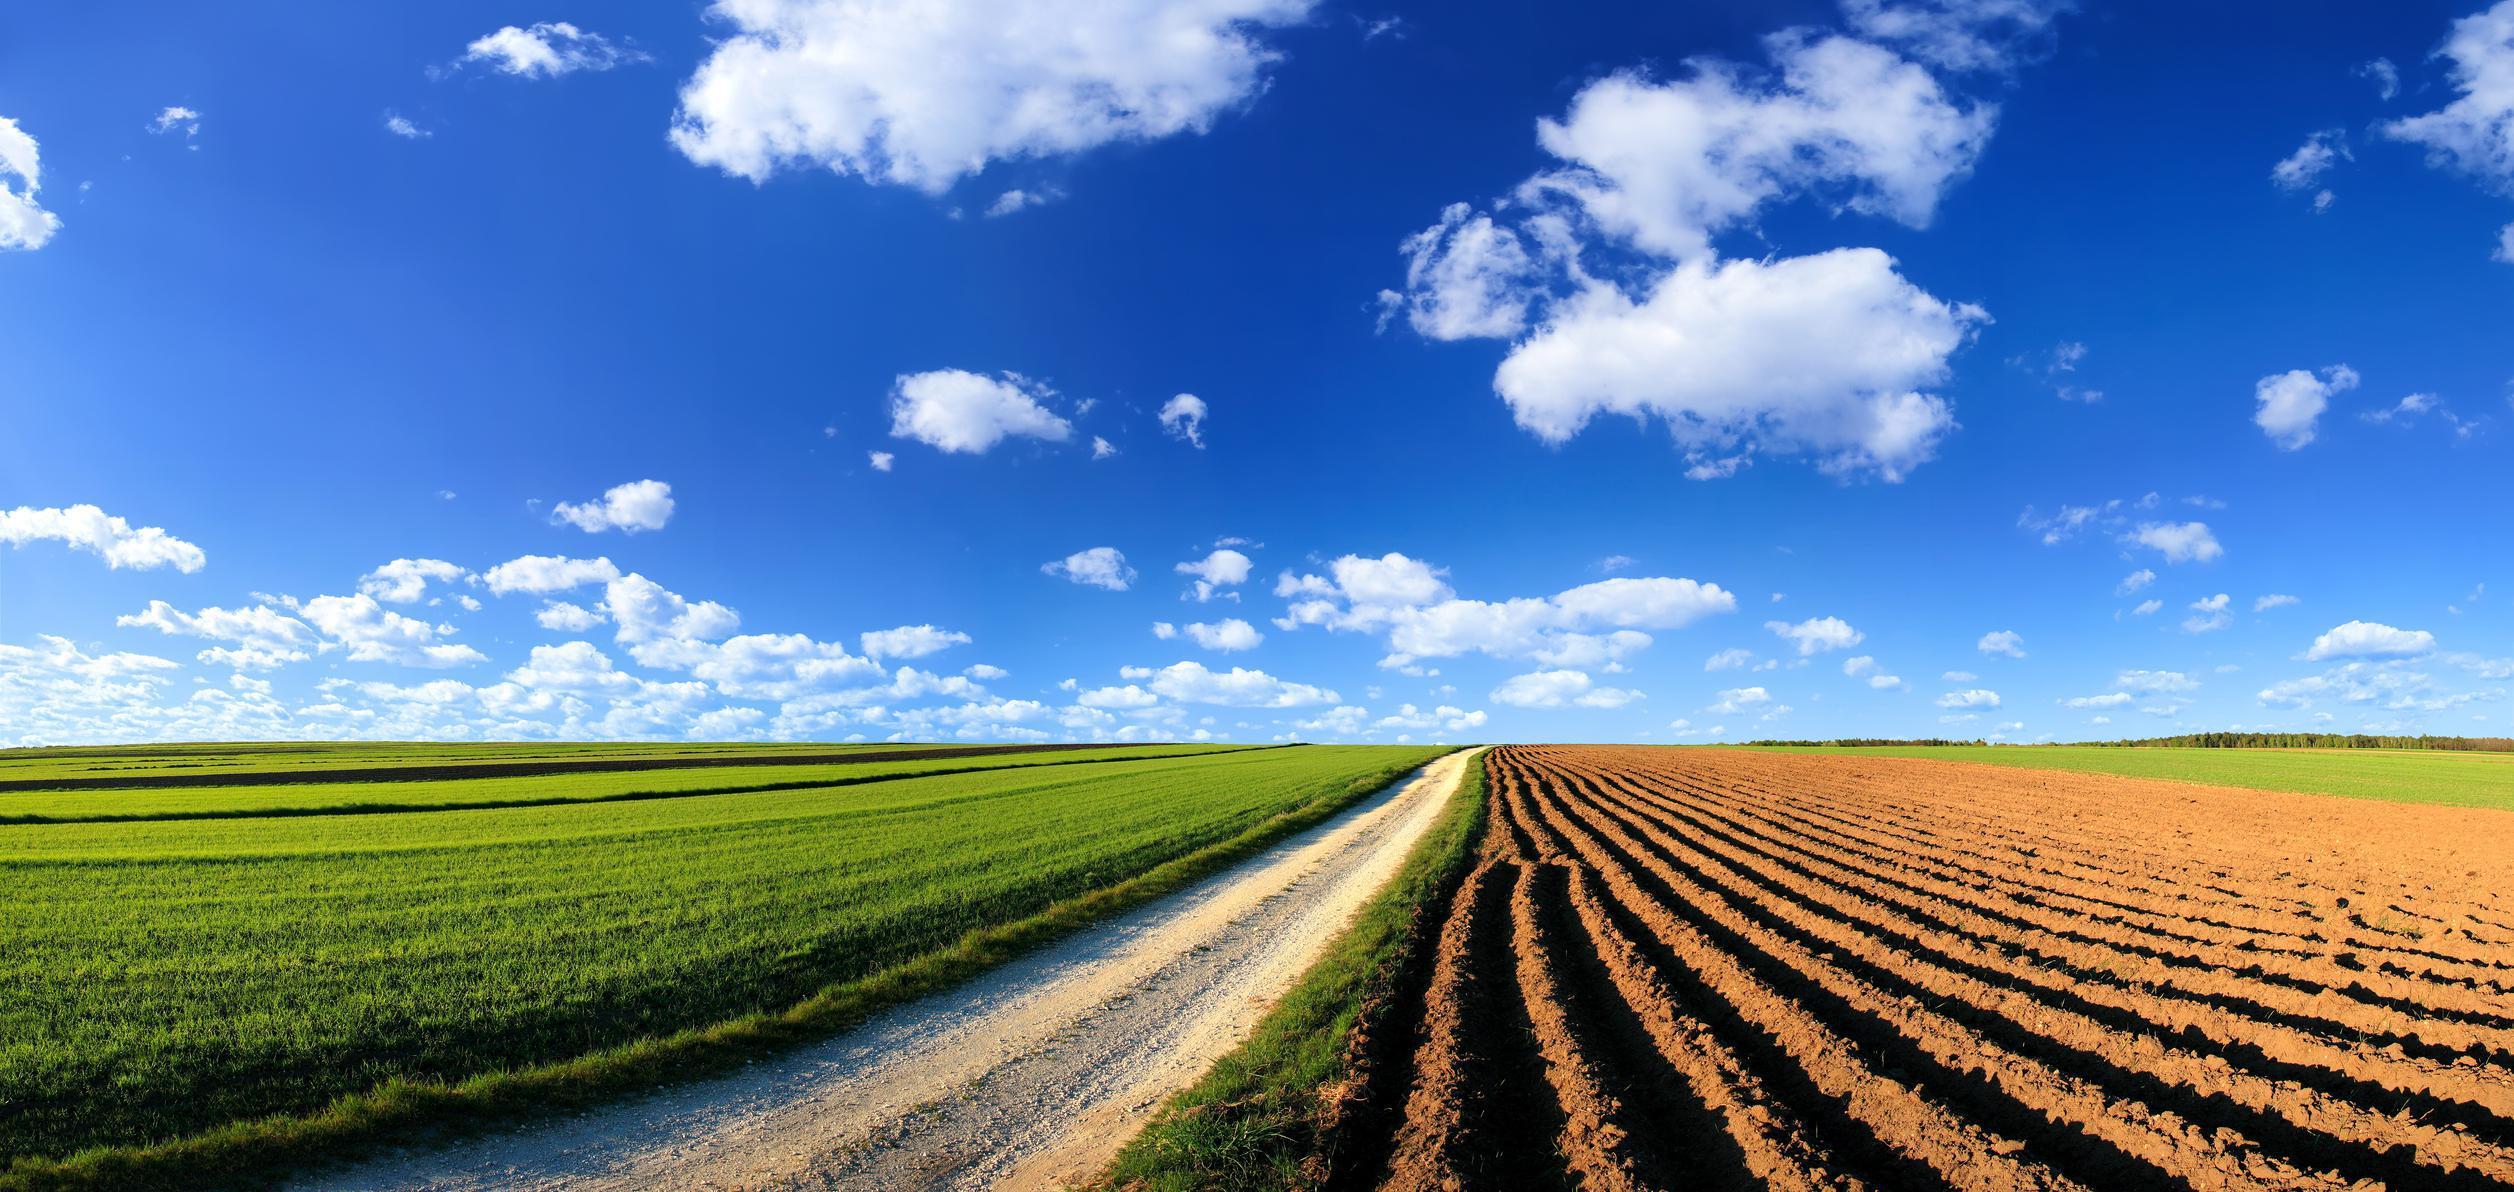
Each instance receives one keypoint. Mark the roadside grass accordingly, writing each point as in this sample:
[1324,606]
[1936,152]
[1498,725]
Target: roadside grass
[313,796]
[2449,778]
[1257,1119]
[217,1001]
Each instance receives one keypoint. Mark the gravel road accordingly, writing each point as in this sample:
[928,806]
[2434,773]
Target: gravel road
[1030,1076]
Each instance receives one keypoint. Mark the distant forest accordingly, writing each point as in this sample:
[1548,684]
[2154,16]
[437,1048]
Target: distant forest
[2226,741]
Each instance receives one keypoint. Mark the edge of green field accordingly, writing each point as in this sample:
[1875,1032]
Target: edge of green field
[1254,1120]
[2447,778]
[402,1111]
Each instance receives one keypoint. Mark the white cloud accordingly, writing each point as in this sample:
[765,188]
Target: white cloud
[1729,659]
[954,410]
[2304,168]
[1098,567]
[2154,682]
[2274,600]
[176,118]
[1559,689]
[1443,719]
[1974,698]
[1015,199]
[1221,569]
[2291,402]
[2209,614]
[567,618]
[2110,699]
[910,641]
[1737,700]
[2148,608]
[256,626]
[401,126]
[538,574]
[2475,132]
[547,50]
[404,581]
[1102,448]
[1668,165]
[2134,581]
[628,508]
[1957,676]
[2385,77]
[2407,409]
[88,528]
[2179,542]
[1723,354]
[1465,278]
[1127,697]
[2368,639]
[881,460]
[1183,417]
[985,673]
[2005,642]
[1191,682]
[578,667]
[373,633]
[23,222]
[1408,599]
[1817,634]
[2505,246]
[658,624]
[922,93]
[1225,636]
[1959,35]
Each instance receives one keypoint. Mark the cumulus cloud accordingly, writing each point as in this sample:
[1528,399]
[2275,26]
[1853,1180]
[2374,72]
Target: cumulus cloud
[1729,659]
[2209,614]
[547,50]
[2274,600]
[1408,599]
[2385,77]
[1973,698]
[404,581]
[2370,639]
[2134,581]
[1736,700]
[567,618]
[403,127]
[1817,634]
[1183,417]
[1225,636]
[1098,567]
[881,460]
[24,224]
[2303,169]
[2005,642]
[910,641]
[2179,542]
[539,574]
[2475,132]
[2291,403]
[922,93]
[1192,683]
[954,410]
[373,633]
[628,508]
[88,528]
[1721,354]
[1466,277]
[256,626]
[176,118]
[1992,36]
[1559,689]
[1221,569]
[1443,719]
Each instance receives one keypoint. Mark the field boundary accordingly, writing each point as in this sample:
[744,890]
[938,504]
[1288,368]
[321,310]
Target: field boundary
[1265,1115]
[404,1111]
[798,784]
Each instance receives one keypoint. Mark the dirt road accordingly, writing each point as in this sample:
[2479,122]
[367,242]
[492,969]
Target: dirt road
[1030,1076]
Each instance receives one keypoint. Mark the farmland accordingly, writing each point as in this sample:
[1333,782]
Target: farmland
[185,973]
[2394,775]
[1738,969]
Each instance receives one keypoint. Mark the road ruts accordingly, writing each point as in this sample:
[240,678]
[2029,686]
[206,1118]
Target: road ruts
[1724,969]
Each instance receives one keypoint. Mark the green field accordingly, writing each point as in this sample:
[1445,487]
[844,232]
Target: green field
[2452,778]
[173,976]
[311,795]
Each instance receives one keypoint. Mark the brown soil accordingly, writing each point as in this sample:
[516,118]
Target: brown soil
[1709,968]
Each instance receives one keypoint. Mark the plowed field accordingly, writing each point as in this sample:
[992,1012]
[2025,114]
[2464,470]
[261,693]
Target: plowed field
[1716,968]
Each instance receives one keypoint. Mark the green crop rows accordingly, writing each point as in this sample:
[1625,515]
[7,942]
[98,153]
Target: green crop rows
[166,977]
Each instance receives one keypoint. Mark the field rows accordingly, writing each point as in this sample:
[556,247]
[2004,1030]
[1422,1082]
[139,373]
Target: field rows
[171,976]
[1735,969]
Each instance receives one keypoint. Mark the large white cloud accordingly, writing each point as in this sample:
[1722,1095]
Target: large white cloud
[1668,165]
[254,626]
[1409,600]
[88,528]
[1826,354]
[2475,132]
[1560,689]
[23,222]
[373,633]
[628,508]
[955,410]
[922,93]
[1191,682]
[2291,403]
[2370,639]
[1466,277]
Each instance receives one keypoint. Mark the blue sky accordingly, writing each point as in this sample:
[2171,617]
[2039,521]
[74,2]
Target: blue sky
[1643,372]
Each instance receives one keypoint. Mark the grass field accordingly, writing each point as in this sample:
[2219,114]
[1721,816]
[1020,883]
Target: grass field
[174,976]
[2454,779]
